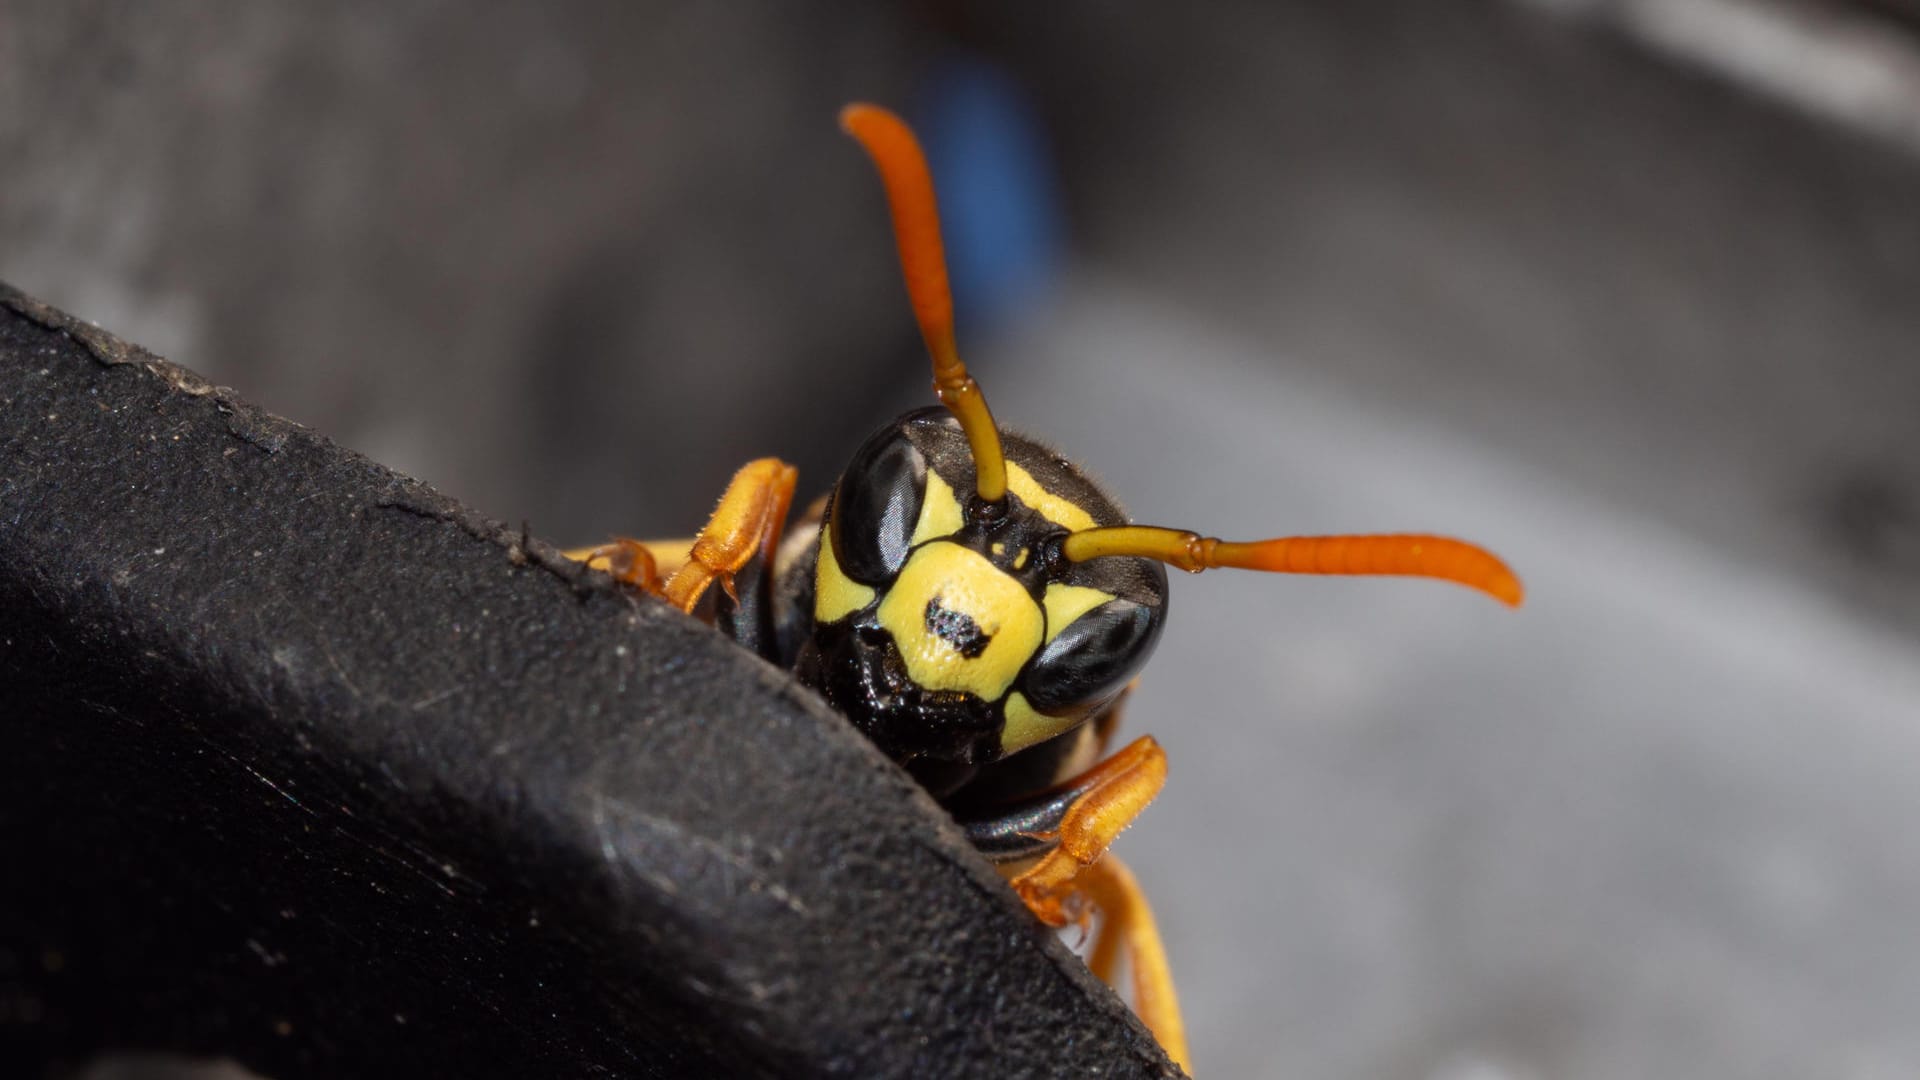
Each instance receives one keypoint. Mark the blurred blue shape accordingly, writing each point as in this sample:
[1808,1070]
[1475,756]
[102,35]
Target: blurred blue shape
[995,180]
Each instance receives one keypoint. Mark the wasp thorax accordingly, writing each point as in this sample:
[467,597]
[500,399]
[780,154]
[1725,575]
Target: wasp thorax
[952,630]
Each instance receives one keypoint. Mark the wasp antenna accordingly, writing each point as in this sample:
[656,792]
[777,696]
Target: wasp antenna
[916,229]
[1401,554]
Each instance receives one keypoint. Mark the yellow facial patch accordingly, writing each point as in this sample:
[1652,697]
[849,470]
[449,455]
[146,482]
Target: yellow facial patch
[960,623]
[835,595]
[1066,603]
[1051,506]
[1026,725]
[940,513]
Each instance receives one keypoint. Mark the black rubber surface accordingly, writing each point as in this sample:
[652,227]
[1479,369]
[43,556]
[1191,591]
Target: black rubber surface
[303,764]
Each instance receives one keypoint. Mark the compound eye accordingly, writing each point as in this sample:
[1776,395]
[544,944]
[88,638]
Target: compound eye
[876,506]
[1094,657]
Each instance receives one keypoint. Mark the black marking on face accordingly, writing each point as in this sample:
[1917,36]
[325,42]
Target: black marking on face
[957,629]
[858,668]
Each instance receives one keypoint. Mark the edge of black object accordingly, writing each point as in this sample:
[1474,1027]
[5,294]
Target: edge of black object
[306,765]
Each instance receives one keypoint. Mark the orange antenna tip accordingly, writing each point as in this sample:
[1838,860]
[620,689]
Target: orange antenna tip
[1398,554]
[916,230]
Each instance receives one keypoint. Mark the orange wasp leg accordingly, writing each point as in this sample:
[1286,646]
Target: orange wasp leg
[1127,920]
[749,520]
[1112,794]
[1058,888]
[631,562]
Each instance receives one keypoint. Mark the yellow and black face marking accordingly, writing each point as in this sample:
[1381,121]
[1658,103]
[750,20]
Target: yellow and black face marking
[954,629]
[972,595]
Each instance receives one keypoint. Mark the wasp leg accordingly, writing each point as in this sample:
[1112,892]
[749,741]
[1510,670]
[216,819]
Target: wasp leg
[1127,920]
[1105,800]
[748,520]
[1069,829]
[639,563]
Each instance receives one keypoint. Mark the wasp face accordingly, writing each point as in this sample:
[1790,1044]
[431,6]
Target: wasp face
[962,627]
[953,629]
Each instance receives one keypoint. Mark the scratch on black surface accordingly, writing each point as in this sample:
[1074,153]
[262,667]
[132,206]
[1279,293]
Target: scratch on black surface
[730,860]
[277,789]
[436,698]
[422,862]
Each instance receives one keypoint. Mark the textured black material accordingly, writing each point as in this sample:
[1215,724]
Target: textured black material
[304,764]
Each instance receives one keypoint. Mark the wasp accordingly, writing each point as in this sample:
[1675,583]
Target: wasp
[979,607]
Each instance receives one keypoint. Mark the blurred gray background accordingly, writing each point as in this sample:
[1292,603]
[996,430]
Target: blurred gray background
[1628,290]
